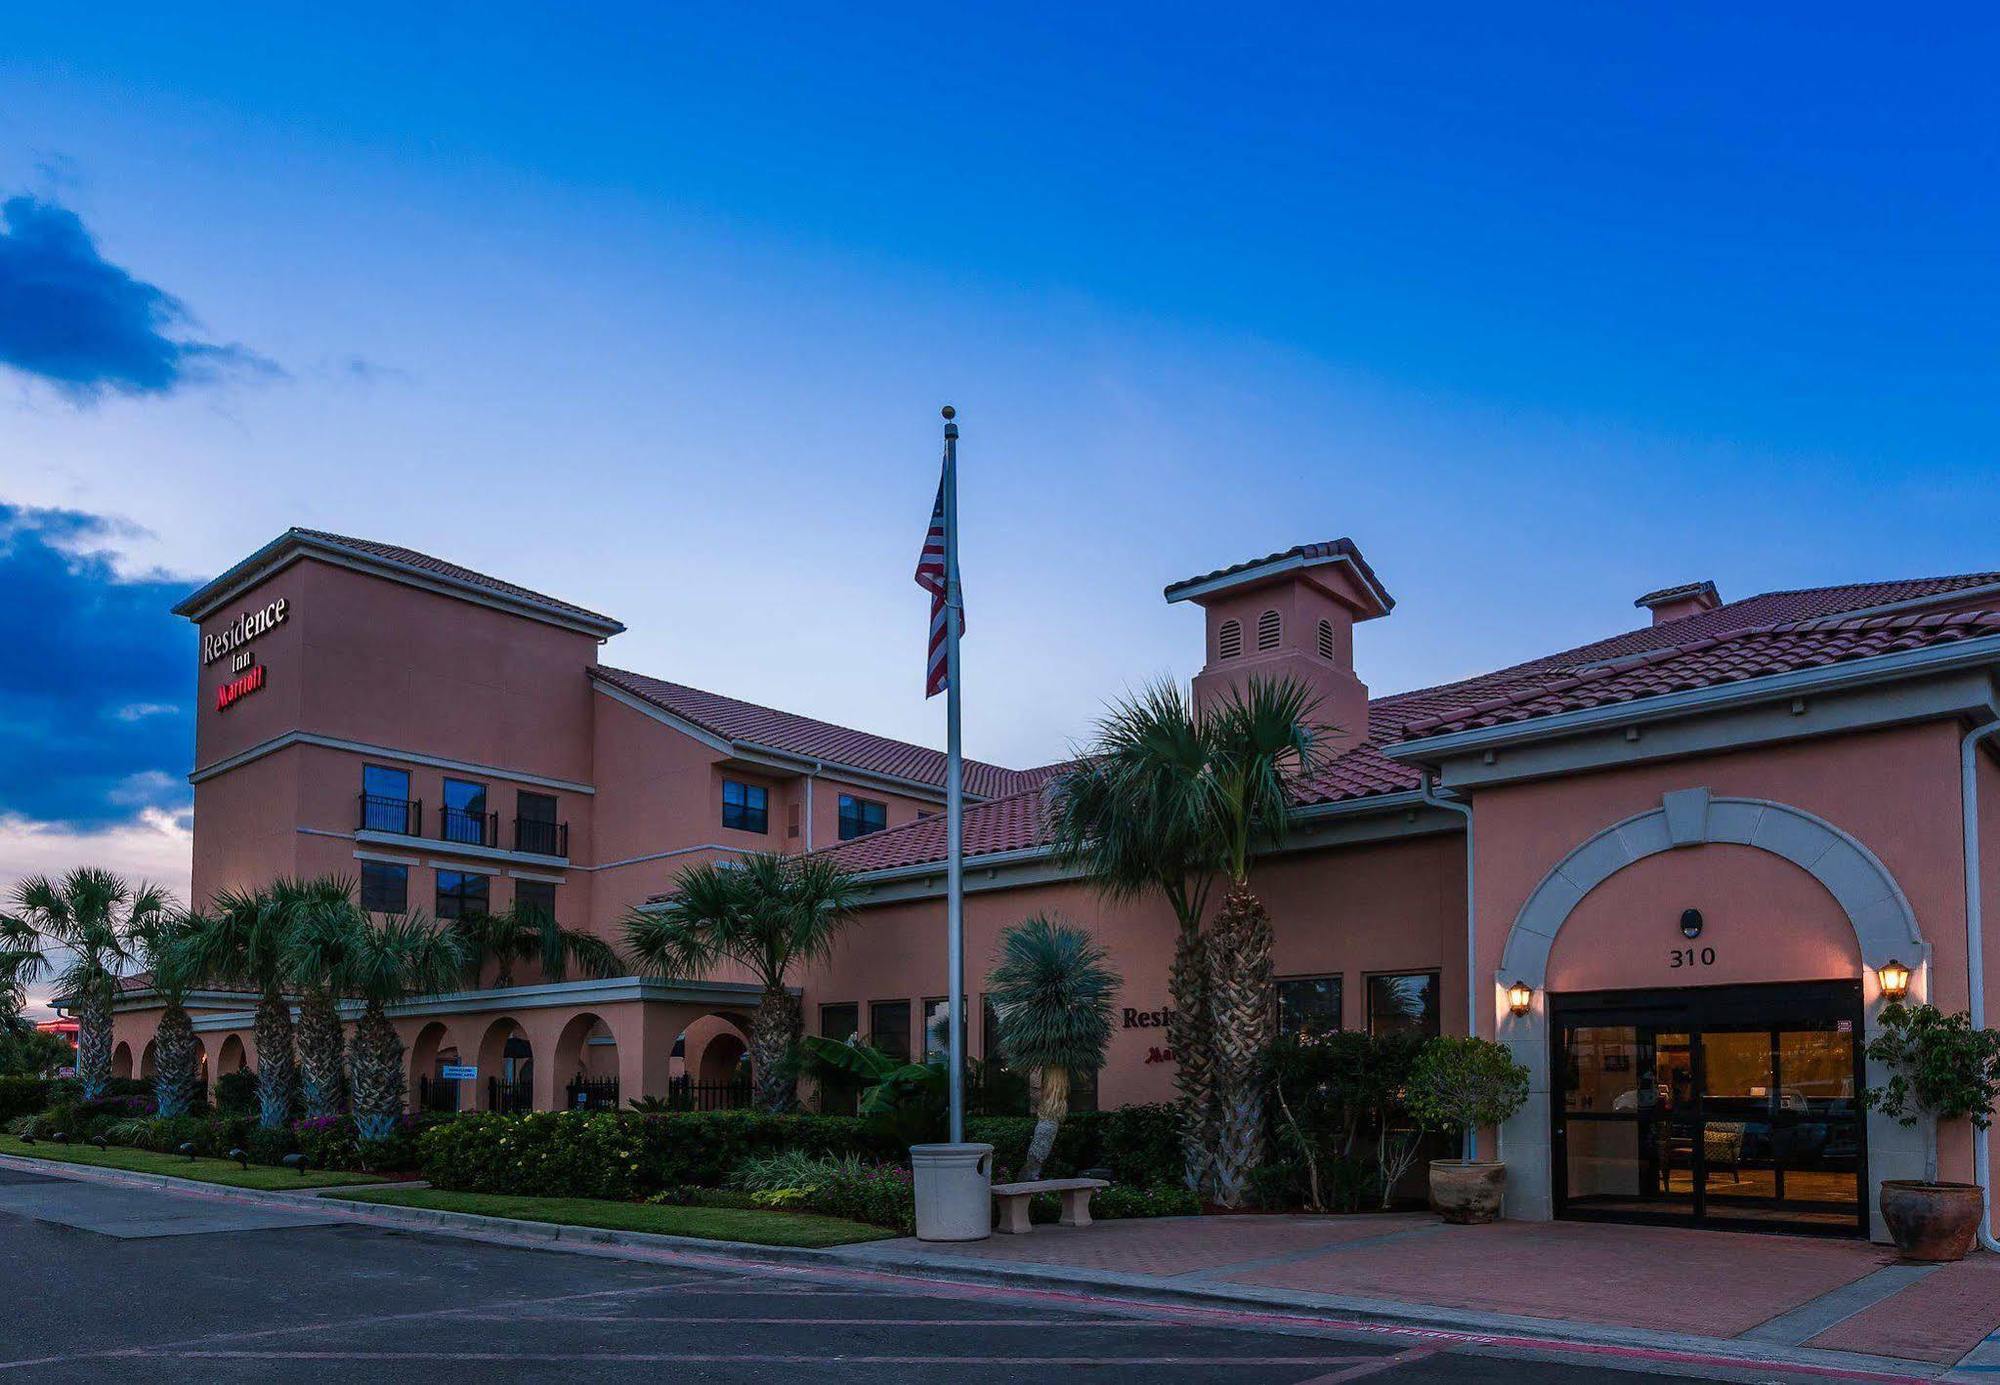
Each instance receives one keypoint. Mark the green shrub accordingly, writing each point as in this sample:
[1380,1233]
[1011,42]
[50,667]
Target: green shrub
[236,1093]
[23,1096]
[1460,1084]
[1165,1200]
[845,1186]
[1139,1144]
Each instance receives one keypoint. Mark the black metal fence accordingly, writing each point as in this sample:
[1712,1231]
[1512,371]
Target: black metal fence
[509,1098]
[541,837]
[436,1094]
[686,1094]
[592,1094]
[402,816]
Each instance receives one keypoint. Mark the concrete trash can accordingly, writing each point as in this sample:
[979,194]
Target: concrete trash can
[954,1188]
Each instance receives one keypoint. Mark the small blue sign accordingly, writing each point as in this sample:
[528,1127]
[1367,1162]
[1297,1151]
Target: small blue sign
[457,1071]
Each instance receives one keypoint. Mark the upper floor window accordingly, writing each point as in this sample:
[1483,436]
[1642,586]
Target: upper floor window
[464,812]
[537,897]
[1308,1004]
[860,816]
[1229,639]
[1404,1003]
[385,800]
[1326,639]
[462,895]
[746,807]
[385,887]
[535,826]
[1269,629]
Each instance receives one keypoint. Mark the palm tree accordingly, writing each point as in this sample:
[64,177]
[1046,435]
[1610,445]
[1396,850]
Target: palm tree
[1051,995]
[91,914]
[391,959]
[21,960]
[162,945]
[245,940]
[769,913]
[1134,814]
[325,924]
[521,934]
[1262,737]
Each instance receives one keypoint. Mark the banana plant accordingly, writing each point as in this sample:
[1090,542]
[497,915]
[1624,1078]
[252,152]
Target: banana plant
[905,1101]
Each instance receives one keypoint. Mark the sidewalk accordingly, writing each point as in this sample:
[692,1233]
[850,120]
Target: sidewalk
[1840,1309]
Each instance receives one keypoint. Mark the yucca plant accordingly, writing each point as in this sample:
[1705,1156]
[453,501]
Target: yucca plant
[388,960]
[1135,813]
[244,939]
[1051,991]
[325,924]
[91,914]
[162,946]
[523,934]
[769,913]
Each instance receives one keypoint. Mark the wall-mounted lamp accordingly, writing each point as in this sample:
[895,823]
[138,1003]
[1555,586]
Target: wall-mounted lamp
[1895,980]
[1520,996]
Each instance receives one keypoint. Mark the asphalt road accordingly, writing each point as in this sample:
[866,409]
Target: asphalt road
[104,1283]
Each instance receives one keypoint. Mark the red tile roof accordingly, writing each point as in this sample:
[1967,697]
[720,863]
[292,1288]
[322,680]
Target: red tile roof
[424,562]
[1758,636]
[1328,548]
[748,724]
[1714,661]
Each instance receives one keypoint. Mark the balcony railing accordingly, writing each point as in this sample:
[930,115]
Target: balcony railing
[403,816]
[542,837]
[474,829]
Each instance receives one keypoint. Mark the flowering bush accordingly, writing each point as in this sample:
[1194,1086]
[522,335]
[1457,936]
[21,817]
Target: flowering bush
[851,1187]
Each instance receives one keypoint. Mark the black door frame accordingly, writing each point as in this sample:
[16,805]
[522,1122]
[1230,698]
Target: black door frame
[1695,1010]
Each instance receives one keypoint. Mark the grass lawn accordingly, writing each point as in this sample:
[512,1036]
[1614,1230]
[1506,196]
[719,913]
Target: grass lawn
[224,1171]
[756,1226]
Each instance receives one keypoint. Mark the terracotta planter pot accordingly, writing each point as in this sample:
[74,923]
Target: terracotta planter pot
[1932,1221]
[1467,1191]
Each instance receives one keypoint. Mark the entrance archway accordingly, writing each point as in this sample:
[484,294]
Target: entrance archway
[147,1060]
[507,1067]
[430,1055]
[1885,929]
[586,1060]
[121,1060]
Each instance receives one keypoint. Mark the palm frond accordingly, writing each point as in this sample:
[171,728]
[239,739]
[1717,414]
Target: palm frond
[1051,991]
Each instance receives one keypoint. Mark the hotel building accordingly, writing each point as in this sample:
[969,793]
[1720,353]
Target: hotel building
[1673,869]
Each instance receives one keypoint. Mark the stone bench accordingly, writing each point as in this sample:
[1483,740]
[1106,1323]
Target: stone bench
[1015,1197]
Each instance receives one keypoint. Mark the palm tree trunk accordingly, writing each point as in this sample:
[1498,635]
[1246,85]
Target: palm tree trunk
[1191,1035]
[379,1086]
[93,1041]
[1239,954]
[774,1045]
[176,1078]
[277,1067]
[320,1053]
[1049,1113]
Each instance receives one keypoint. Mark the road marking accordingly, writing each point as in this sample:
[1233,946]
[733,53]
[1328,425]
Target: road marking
[766,1358]
[1375,1367]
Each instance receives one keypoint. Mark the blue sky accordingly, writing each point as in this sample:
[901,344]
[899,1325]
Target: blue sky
[654,310]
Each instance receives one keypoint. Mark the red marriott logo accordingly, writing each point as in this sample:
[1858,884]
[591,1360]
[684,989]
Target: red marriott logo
[238,688]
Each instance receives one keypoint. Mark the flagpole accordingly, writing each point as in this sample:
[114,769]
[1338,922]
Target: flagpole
[954,789]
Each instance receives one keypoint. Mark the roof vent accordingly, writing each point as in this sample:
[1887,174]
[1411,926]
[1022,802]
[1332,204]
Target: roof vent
[1268,630]
[1229,639]
[1677,603]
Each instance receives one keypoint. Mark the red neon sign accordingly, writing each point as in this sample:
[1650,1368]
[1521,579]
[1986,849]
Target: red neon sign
[237,689]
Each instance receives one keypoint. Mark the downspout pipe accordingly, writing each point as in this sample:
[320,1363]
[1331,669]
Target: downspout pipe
[1453,803]
[1975,955]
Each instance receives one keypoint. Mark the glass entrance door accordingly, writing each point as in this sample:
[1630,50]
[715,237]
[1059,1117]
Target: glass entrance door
[1732,1105]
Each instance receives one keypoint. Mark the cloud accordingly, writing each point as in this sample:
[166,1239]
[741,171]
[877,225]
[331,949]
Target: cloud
[73,319]
[94,716]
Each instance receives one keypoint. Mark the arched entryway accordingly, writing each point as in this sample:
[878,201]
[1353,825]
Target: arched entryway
[148,1061]
[430,1055]
[507,1067]
[586,1060]
[121,1061]
[724,1060]
[233,1056]
[1862,897]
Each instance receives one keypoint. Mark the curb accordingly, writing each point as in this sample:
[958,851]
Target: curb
[1271,1308]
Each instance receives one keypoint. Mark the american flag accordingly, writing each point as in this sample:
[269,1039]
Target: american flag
[931,577]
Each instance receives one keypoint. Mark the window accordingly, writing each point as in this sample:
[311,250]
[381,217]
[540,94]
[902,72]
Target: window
[461,894]
[464,812]
[1404,1003]
[839,1092]
[385,888]
[1326,640]
[746,807]
[860,816]
[385,800]
[1268,630]
[1308,1003]
[839,1022]
[537,896]
[936,1040]
[1229,639]
[1083,1089]
[535,823]
[889,1027]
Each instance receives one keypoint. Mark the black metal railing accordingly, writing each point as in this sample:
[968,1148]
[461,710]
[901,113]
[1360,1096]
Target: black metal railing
[436,1094]
[592,1094]
[686,1094]
[473,829]
[541,837]
[403,816]
[509,1098]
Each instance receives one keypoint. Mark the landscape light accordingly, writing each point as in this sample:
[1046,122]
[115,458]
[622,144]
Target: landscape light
[241,1156]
